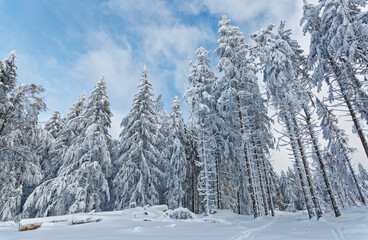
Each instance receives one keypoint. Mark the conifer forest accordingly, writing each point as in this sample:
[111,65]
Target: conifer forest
[217,158]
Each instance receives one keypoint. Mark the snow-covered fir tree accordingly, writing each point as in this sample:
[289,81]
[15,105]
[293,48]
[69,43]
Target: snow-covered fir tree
[338,148]
[164,145]
[363,175]
[81,184]
[250,126]
[53,125]
[177,165]
[19,137]
[290,190]
[71,127]
[305,98]
[281,77]
[199,97]
[139,174]
[191,198]
[337,53]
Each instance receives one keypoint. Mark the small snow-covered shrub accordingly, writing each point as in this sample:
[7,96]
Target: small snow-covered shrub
[180,213]
[159,208]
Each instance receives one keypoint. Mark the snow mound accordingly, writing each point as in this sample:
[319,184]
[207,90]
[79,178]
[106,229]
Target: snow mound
[163,208]
[80,219]
[137,229]
[180,213]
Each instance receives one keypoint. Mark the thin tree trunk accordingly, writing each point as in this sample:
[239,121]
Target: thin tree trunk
[218,182]
[338,76]
[298,166]
[355,180]
[207,205]
[306,169]
[355,120]
[321,163]
[238,196]
[258,159]
[247,160]
[268,184]
[194,188]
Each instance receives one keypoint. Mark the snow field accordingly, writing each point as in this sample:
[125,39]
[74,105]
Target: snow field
[148,223]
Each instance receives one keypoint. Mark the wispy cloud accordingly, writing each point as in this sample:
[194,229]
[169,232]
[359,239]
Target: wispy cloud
[167,42]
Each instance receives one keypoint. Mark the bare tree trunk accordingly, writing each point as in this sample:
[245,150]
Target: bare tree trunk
[238,197]
[307,174]
[268,184]
[260,177]
[194,200]
[321,163]
[298,166]
[218,182]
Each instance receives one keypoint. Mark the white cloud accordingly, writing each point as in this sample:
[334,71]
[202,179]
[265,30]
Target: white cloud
[167,43]
[175,45]
[116,63]
[251,15]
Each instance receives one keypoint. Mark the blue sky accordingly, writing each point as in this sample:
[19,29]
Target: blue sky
[65,46]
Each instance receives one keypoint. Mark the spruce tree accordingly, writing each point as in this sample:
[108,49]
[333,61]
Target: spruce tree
[19,138]
[278,57]
[199,96]
[139,175]
[81,184]
[53,125]
[337,53]
[177,164]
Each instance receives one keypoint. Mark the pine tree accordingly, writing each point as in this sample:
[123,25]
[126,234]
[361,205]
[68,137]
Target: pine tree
[290,188]
[139,174]
[363,175]
[200,97]
[190,184]
[20,164]
[283,86]
[164,146]
[177,169]
[71,127]
[240,94]
[53,125]
[337,143]
[81,184]
[337,51]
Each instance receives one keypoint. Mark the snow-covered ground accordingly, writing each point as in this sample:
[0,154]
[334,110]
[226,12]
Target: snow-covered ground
[140,223]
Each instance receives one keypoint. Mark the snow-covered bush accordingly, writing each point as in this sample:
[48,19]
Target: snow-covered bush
[180,213]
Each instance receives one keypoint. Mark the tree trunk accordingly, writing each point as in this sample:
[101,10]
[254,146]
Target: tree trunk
[247,160]
[347,101]
[306,169]
[298,166]
[321,163]
[260,177]
[355,180]
[218,183]
[268,184]
[194,192]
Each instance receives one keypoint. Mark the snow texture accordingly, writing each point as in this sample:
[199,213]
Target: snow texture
[148,223]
